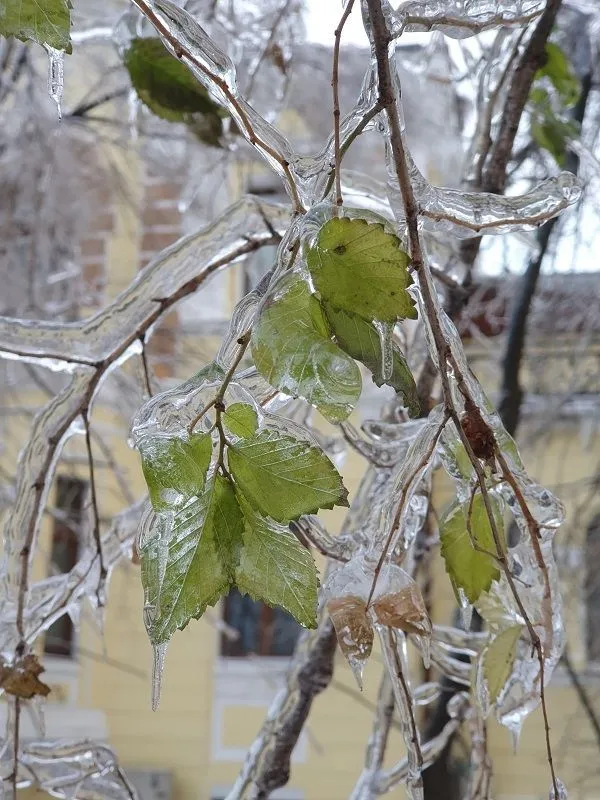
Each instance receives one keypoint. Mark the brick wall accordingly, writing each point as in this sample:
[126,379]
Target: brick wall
[93,249]
[160,227]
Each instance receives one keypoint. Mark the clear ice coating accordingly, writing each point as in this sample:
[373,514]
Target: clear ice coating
[389,510]
[460,19]
[56,76]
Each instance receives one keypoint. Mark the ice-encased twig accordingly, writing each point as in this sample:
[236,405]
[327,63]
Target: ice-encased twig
[84,769]
[366,784]
[460,19]
[431,750]
[392,647]
[177,272]
[51,598]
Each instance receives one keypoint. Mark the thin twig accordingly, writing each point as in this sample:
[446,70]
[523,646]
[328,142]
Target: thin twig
[381,39]
[145,368]
[94,499]
[403,495]
[336,102]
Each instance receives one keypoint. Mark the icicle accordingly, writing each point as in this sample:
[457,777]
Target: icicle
[466,609]
[36,708]
[386,334]
[55,75]
[159,652]
[562,791]
[395,661]
[133,106]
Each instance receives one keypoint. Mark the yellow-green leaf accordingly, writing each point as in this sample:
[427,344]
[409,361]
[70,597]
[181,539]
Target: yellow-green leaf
[42,21]
[240,419]
[196,564]
[175,469]
[283,477]
[292,349]
[498,660]
[358,267]
[276,568]
[360,339]
[471,569]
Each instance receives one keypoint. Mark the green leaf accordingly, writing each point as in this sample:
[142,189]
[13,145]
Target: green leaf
[560,72]
[292,349]
[202,553]
[361,341]
[360,268]
[240,419]
[470,569]
[498,660]
[175,469]
[275,568]
[552,134]
[170,90]
[42,21]
[283,477]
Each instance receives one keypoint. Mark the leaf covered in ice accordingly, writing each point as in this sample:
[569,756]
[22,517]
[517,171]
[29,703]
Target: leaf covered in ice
[498,660]
[276,568]
[240,419]
[283,477]
[471,568]
[43,21]
[354,630]
[360,339]
[196,565]
[292,349]
[358,267]
[175,469]
[167,87]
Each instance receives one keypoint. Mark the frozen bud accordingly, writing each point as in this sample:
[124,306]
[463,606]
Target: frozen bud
[479,433]
[403,609]
[354,631]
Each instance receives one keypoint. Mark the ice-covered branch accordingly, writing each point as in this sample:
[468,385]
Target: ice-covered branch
[459,19]
[174,274]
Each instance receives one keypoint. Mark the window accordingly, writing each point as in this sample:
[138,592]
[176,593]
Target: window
[70,499]
[592,590]
[263,631]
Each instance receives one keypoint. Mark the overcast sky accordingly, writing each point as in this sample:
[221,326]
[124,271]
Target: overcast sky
[323,17]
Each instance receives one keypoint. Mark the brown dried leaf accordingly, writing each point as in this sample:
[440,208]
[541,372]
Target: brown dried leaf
[354,630]
[405,610]
[479,433]
[21,679]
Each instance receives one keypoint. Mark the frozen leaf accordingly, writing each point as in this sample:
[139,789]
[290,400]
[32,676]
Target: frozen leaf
[560,72]
[47,22]
[360,268]
[353,629]
[169,89]
[292,349]
[403,609]
[240,419]
[175,469]
[498,660]
[275,568]
[361,341]
[469,568]
[283,477]
[21,679]
[202,554]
